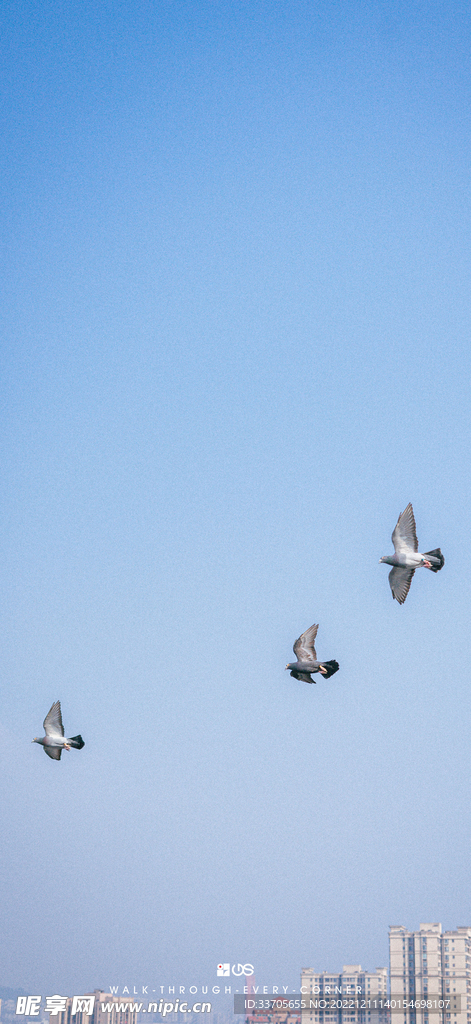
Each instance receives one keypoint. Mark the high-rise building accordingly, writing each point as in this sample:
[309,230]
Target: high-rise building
[346,998]
[430,968]
[107,1009]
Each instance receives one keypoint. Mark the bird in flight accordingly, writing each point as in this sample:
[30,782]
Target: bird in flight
[54,741]
[407,558]
[307,658]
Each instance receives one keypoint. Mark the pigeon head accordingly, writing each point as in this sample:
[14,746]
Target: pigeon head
[388,558]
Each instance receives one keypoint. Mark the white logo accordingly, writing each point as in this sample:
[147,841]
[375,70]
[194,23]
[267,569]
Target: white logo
[224,970]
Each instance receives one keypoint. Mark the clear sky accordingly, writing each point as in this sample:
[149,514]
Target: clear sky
[236,345]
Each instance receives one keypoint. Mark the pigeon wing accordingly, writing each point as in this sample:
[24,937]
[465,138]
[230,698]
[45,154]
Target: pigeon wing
[54,752]
[303,676]
[304,647]
[404,536]
[400,580]
[53,721]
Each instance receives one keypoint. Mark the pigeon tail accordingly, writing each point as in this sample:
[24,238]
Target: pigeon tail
[77,742]
[437,557]
[331,666]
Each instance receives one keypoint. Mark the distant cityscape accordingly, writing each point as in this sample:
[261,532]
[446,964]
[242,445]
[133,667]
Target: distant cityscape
[429,983]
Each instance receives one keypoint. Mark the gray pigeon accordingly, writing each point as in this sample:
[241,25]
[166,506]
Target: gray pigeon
[54,741]
[407,558]
[307,659]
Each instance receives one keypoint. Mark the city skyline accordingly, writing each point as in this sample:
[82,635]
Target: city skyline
[421,960]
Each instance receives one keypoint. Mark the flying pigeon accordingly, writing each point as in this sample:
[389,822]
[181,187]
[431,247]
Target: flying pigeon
[407,558]
[54,740]
[307,659]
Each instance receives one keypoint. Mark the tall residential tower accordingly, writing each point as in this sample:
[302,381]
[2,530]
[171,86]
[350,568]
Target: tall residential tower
[344,998]
[428,966]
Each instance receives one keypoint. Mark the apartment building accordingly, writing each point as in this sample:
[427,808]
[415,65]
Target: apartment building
[431,967]
[346,998]
[107,1009]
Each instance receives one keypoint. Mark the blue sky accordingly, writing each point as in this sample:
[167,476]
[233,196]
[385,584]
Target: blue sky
[236,345]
